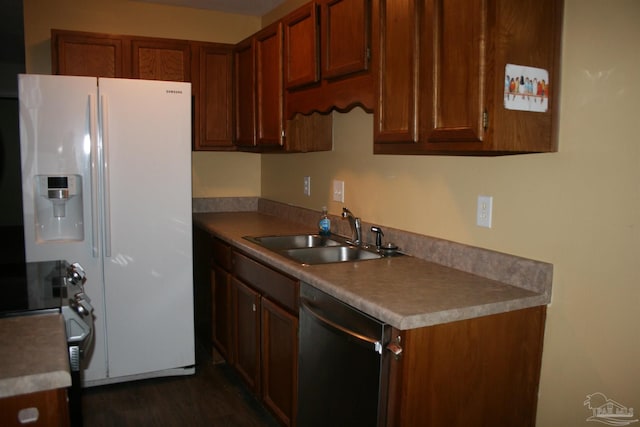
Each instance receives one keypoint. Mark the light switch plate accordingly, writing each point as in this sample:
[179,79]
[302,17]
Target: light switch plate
[338,191]
[484,211]
[307,186]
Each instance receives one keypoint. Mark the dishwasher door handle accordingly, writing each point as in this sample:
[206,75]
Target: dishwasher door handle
[372,343]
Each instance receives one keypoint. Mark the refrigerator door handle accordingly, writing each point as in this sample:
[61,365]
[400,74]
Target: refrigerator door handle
[105,174]
[93,140]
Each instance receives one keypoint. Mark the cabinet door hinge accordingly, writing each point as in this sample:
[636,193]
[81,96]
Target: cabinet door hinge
[485,119]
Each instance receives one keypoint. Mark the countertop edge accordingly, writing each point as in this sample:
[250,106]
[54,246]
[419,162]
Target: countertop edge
[308,275]
[27,384]
[39,359]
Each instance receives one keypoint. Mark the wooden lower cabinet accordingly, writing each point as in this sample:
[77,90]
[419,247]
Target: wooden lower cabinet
[477,372]
[45,408]
[246,333]
[255,327]
[279,361]
[221,311]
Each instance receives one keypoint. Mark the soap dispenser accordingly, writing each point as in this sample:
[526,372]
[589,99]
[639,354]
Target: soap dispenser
[324,225]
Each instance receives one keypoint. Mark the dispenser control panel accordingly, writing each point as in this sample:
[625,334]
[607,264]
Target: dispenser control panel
[58,187]
[59,210]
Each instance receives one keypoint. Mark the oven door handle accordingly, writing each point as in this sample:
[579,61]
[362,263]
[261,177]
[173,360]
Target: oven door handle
[368,342]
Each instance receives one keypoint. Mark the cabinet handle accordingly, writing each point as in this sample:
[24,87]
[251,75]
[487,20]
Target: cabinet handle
[28,415]
[395,348]
[485,119]
[254,308]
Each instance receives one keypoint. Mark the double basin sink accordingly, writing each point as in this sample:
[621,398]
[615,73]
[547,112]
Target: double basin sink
[313,249]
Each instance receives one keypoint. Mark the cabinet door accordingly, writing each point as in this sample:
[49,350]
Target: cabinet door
[465,372]
[453,70]
[245,94]
[88,54]
[202,288]
[279,361]
[396,28]
[213,90]
[307,133]
[269,90]
[345,37]
[161,60]
[345,78]
[246,327]
[301,47]
[460,56]
[221,312]
[51,409]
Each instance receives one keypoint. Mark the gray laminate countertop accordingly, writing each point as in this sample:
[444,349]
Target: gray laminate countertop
[406,292]
[33,354]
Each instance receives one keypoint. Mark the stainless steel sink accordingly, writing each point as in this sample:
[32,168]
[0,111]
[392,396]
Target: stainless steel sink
[277,243]
[294,241]
[329,254]
[314,248]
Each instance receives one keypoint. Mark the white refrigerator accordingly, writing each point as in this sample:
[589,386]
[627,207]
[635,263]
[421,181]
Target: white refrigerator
[106,179]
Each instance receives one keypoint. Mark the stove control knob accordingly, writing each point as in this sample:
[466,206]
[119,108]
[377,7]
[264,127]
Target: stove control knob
[76,274]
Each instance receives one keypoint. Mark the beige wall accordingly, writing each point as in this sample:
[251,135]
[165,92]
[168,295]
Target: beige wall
[218,175]
[578,209]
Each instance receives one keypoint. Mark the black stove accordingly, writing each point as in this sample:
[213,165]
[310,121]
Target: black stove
[56,286]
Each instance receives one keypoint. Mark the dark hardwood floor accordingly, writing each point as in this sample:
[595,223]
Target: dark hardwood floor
[212,397]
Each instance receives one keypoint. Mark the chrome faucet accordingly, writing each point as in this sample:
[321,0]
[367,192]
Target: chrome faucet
[379,234]
[356,229]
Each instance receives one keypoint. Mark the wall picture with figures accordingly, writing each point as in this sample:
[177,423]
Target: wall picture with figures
[526,88]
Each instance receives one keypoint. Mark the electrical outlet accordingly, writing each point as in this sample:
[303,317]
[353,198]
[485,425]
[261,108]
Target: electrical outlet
[338,191]
[307,186]
[485,211]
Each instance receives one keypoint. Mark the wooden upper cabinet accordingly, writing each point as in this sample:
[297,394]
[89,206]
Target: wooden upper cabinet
[244,75]
[327,57]
[88,54]
[453,70]
[105,55]
[154,59]
[207,66]
[395,117]
[212,79]
[345,37]
[301,47]
[441,69]
[269,89]
[259,90]
[336,40]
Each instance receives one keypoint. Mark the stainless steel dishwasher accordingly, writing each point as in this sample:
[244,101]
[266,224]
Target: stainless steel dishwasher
[343,363]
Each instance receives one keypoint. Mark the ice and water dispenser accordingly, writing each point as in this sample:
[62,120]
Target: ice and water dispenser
[59,207]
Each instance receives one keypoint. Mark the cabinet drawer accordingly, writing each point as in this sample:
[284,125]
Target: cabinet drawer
[280,288]
[221,254]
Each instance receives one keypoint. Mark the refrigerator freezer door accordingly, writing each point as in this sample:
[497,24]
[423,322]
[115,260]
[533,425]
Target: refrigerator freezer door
[146,138]
[55,140]
[58,125]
